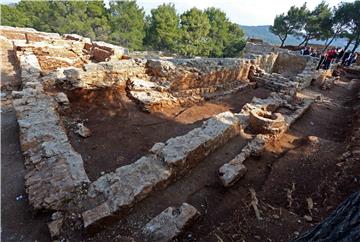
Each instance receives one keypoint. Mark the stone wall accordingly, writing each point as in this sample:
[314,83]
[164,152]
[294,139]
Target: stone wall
[32,34]
[183,74]
[54,170]
[290,64]
[167,161]
[104,74]
[268,128]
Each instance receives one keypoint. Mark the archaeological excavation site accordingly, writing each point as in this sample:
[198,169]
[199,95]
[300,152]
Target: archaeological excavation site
[100,143]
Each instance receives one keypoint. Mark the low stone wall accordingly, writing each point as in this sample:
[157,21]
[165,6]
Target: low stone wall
[54,55]
[184,74]
[104,74]
[234,170]
[130,184]
[54,170]
[32,34]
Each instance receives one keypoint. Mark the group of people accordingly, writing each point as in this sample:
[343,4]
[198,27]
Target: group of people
[333,55]
[310,51]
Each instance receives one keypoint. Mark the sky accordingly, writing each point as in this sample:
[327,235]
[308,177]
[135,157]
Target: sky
[243,12]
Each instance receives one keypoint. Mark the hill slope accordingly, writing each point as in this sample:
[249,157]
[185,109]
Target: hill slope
[263,32]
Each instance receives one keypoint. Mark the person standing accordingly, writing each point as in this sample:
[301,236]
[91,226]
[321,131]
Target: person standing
[330,55]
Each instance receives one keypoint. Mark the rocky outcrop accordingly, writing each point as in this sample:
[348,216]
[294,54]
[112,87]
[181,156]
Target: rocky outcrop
[54,170]
[170,223]
[167,161]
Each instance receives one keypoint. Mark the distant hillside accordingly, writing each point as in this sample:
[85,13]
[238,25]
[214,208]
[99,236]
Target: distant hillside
[263,32]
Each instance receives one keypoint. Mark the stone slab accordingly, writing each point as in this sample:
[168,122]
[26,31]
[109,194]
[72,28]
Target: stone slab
[170,223]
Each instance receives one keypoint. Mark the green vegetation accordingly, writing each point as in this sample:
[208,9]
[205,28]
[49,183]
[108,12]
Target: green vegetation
[322,23]
[193,33]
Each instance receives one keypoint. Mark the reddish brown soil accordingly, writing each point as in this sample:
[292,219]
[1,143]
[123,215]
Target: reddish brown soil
[122,133]
[227,214]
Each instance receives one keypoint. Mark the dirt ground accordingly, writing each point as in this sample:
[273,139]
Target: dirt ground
[287,174]
[122,133]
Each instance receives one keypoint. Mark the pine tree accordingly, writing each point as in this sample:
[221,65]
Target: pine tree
[127,24]
[163,32]
[195,27]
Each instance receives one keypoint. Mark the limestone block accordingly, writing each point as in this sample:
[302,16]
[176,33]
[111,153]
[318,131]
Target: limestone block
[132,183]
[185,151]
[115,52]
[55,227]
[232,171]
[266,122]
[170,223]
[126,186]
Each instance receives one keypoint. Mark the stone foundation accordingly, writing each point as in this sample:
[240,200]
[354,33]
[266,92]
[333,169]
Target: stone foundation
[54,170]
[166,162]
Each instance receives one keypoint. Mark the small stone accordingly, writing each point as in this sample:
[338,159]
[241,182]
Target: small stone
[308,218]
[275,216]
[257,237]
[57,215]
[102,173]
[313,139]
[62,99]
[82,130]
[296,233]
[55,227]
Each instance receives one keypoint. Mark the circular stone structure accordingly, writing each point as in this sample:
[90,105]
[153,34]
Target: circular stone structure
[264,122]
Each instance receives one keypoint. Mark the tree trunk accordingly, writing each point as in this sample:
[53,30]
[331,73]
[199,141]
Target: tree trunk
[282,43]
[307,42]
[304,41]
[343,224]
[356,44]
[326,41]
[328,44]
[347,45]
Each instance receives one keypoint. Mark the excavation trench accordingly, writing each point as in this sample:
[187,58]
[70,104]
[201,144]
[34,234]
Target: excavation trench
[122,132]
